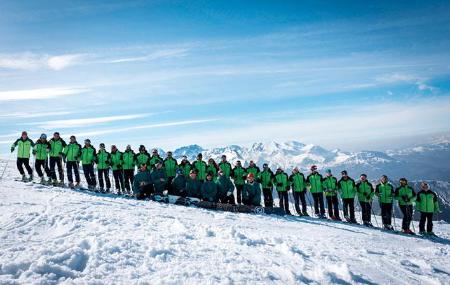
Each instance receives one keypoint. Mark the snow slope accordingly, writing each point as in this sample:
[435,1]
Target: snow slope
[51,235]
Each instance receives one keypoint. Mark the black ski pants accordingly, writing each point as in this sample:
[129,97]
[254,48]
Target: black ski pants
[118,180]
[72,165]
[103,173]
[239,189]
[89,174]
[56,161]
[128,175]
[349,208]
[24,162]
[333,206]
[318,203]
[428,218]
[366,211]
[268,197]
[386,213]
[300,197]
[407,211]
[40,164]
[284,200]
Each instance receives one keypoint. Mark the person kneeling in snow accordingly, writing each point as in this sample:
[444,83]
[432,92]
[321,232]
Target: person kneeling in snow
[178,185]
[142,184]
[251,194]
[209,189]
[427,204]
[159,178]
[225,188]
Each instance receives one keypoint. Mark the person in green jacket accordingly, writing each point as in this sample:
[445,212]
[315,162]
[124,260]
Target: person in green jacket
[155,158]
[117,169]
[298,185]
[40,151]
[71,155]
[225,189]
[129,164]
[238,174]
[266,177]
[24,146]
[427,204]
[281,181]
[159,178]
[252,168]
[209,189]
[225,166]
[365,193]
[314,180]
[103,160]
[170,165]
[178,187]
[193,185]
[185,165]
[143,157]
[330,187]
[88,154]
[212,167]
[57,145]
[347,190]
[385,192]
[200,166]
[405,196]
[142,183]
[251,194]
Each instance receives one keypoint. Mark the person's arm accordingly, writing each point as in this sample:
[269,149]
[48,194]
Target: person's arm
[13,146]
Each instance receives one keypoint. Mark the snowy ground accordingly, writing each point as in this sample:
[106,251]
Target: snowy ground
[52,236]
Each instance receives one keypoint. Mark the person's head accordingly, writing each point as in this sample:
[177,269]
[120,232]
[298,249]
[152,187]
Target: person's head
[250,177]
[184,158]
[220,172]
[424,186]
[87,142]
[113,148]
[142,148]
[199,156]
[24,135]
[56,135]
[328,172]
[295,170]
[313,168]
[279,170]
[159,165]
[238,163]
[252,163]
[265,166]
[210,161]
[363,177]
[102,146]
[193,174]
[43,137]
[143,167]
[209,176]
[73,139]
[169,154]
[180,171]
[128,147]
[154,151]
[224,158]
[384,179]
[344,174]
[403,181]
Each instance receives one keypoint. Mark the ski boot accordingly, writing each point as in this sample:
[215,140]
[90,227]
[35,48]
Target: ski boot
[31,177]
[42,180]
[422,233]
[77,185]
[108,190]
[431,234]
[71,185]
[338,219]
[408,232]
[24,178]
[54,182]
[305,214]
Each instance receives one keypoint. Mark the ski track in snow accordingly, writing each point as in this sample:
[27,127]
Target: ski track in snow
[50,235]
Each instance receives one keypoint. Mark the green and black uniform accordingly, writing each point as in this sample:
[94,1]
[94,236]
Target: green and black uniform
[117,169]
[365,192]
[129,163]
[347,190]
[406,197]
[225,166]
[88,154]
[238,174]
[56,152]
[251,195]
[72,153]
[427,204]
[314,180]
[225,190]
[330,186]
[193,188]
[103,160]
[266,179]
[40,151]
[385,193]
[209,191]
[24,147]
[185,166]
[200,167]
[142,185]
[281,181]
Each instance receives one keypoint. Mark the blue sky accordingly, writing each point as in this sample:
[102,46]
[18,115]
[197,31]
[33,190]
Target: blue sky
[170,73]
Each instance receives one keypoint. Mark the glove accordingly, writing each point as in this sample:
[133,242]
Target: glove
[229,194]
[34,152]
[279,184]
[12,150]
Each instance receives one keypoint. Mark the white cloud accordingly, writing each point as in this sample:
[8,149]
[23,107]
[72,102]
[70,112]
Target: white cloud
[30,61]
[171,53]
[40,93]
[63,124]
[34,115]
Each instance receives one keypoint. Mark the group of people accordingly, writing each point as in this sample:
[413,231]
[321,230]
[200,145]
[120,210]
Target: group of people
[214,182]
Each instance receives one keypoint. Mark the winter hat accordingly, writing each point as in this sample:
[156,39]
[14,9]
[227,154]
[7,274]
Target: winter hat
[102,145]
[313,167]
[87,141]
[328,171]
[364,175]
[43,136]
[141,147]
[251,175]
[344,172]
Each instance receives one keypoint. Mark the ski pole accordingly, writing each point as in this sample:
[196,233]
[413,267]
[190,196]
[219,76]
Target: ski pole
[393,214]
[6,165]
[412,218]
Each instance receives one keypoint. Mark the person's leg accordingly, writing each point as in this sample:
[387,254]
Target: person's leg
[388,214]
[316,203]
[383,209]
[52,168]
[239,193]
[127,179]
[335,206]
[345,206]
[303,200]
[351,205]
[28,167]
[297,202]
[369,212]
[76,171]
[116,180]
[405,225]
[69,167]
[100,179]
[86,174]
[38,165]
[286,202]
[329,206]
[423,218]
[19,164]
[120,175]
[321,204]
[280,198]
[429,222]
[60,169]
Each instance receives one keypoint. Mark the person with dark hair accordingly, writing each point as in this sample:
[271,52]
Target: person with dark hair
[143,157]
[117,169]
[209,188]
[129,164]
[40,151]
[238,174]
[427,204]
[266,178]
[178,185]
[24,145]
[385,192]
[405,196]
[298,185]
[225,166]
[225,189]
[88,154]
[103,160]
[347,190]
[365,193]
[200,166]
[330,187]
[57,145]
[185,165]
[281,181]
[71,155]
[212,168]
[314,180]
[142,183]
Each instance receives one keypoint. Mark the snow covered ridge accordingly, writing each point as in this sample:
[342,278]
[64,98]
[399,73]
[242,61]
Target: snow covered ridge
[58,236]
[430,161]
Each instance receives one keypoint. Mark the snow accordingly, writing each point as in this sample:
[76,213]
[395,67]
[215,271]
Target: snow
[52,235]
